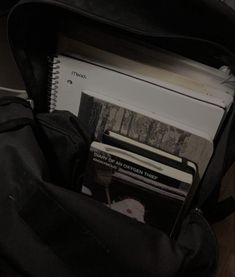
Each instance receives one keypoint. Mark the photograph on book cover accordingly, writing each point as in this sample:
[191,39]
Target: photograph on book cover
[133,190]
[99,116]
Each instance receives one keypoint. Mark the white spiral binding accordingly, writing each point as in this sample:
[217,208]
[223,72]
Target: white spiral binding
[53,79]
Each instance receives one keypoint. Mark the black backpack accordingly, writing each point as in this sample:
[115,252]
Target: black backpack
[48,228]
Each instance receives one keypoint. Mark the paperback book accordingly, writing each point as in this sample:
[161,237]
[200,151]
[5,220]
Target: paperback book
[136,186]
[101,113]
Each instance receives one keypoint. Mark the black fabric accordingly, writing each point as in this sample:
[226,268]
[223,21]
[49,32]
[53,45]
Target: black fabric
[22,168]
[217,167]
[5,5]
[222,159]
[222,209]
[156,17]
[65,145]
[50,230]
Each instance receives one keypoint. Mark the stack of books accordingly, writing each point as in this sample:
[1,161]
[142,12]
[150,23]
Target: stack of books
[154,117]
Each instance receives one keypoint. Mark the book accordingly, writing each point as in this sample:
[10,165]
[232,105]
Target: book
[137,186]
[71,76]
[150,152]
[100,113]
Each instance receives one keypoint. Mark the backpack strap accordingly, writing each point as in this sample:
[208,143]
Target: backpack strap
[211,183]
[222,209]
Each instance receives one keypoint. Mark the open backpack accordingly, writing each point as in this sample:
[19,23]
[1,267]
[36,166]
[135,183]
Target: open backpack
[48,228]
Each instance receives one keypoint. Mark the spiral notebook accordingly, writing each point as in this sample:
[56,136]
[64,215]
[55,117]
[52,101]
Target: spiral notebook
[70,76]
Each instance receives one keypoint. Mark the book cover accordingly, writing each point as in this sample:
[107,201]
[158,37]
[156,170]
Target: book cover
[125,183]
[100,115]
